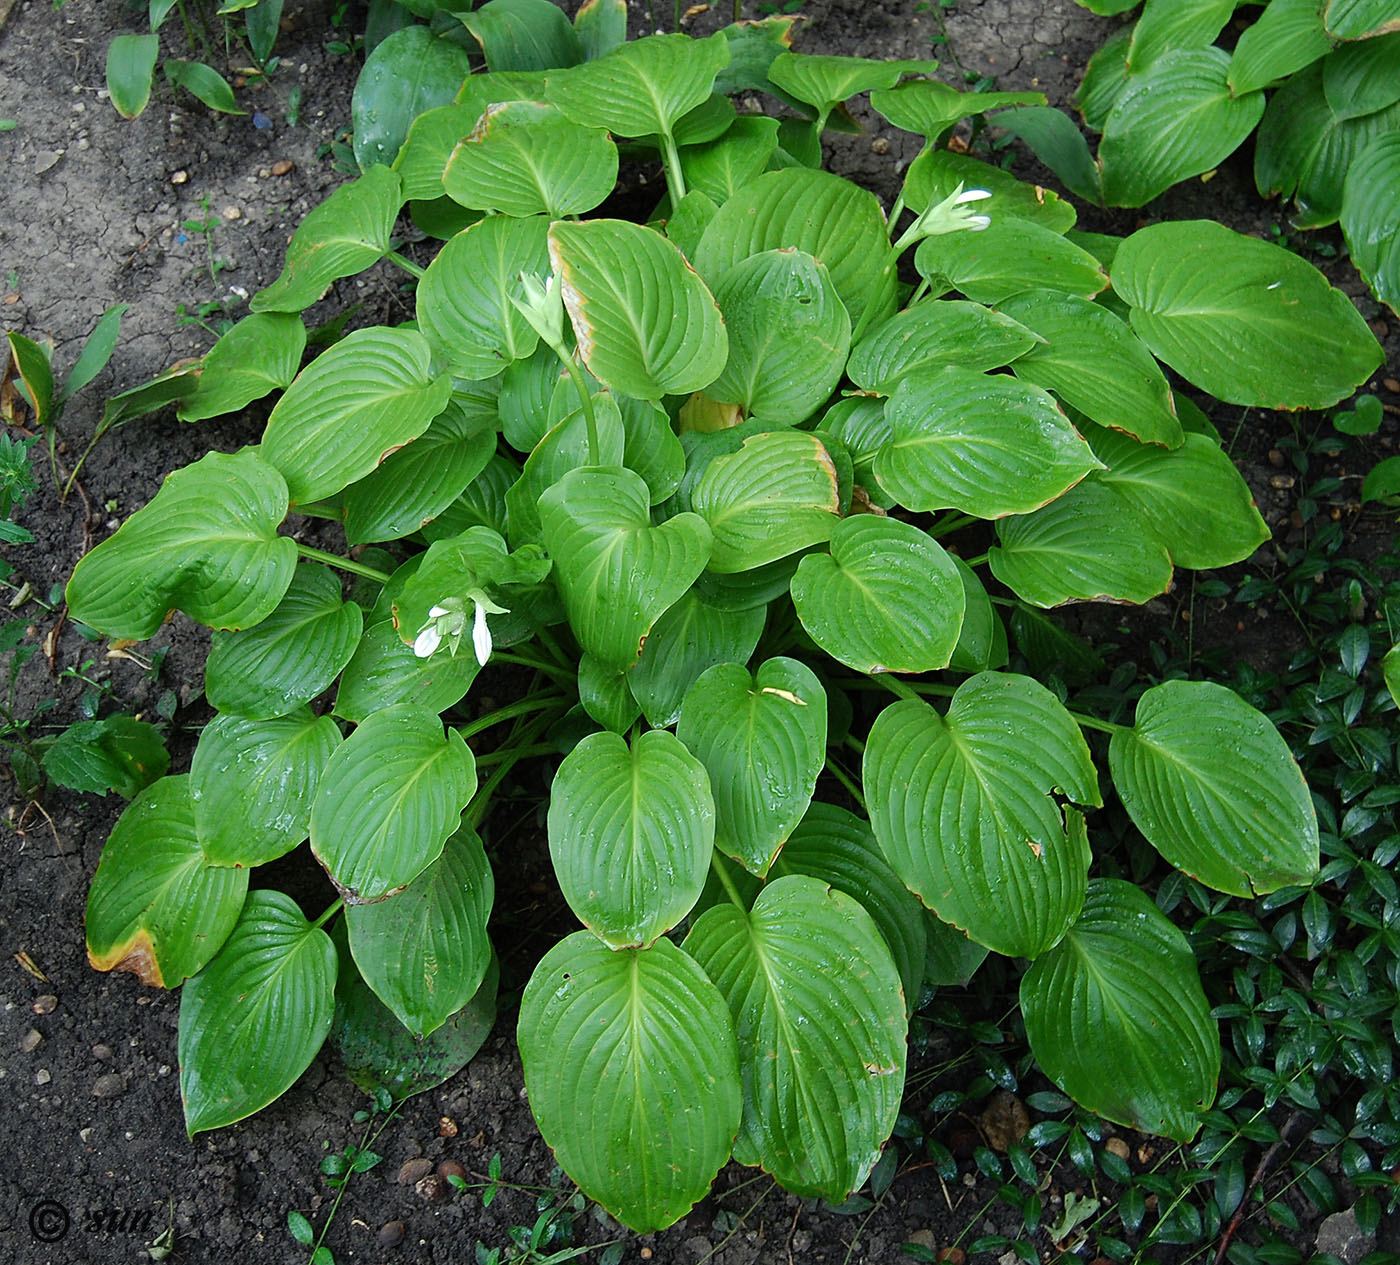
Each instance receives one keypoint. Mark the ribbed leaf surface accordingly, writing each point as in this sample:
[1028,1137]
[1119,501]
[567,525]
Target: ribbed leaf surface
[261,353]
[1009,257]
[1371,217]
[1285,37]
[931,335]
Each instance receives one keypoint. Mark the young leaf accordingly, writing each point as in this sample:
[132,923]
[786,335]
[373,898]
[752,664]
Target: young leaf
[384,672]
[35,374]
[389,799]
[131,72]
[405,75]
[157,907]
[253,782]
[1059,144]
[962,806]
[431,138]
[929,108]
[207,544]
[642,1110]
[1213,786]
[202,82]
[1116,1016]
[932,335]
[821,1050]
[1009,257]
[1168,25]
[937,174]
[96,352]
[825,82]
[253,1019]
[603,693]
[630,834]
[762,738]
[261,353]
[115,754]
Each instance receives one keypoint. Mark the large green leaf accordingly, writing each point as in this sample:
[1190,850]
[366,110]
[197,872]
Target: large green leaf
[962,806]
[430,141]
[389,798]
[630,833]
[1286,36]
[347,233]
[405,75]
[1105,80]
[650,446]
[1116,1016]
[859,425]
[645,86]
[384,672]
[261,353]
[1177,118]
[646,325]
[616,572]
[601,26]
[463,301]
[821,1050]
[823,82]
[1094,362]
[931,335]
[157,906]
[1360,19]
[1371,216]
[1245,320]
[1362,78]
[1008,257]
[525,158]
[774,496]
[207,544]
[371,393]
[523,35]
[253,782]
[727,165]
[938,173]
[788,336]
[986,445]
[253,1019]
[291,656]
[424,951]
[951,959]
[1168,25]
[1213,786]
[829,218]
[887,598]
[633,1076]
[117,753]
[1088,545]
[131,72]
[762,738]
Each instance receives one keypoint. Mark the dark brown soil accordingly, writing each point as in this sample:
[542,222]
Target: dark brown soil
[96,212]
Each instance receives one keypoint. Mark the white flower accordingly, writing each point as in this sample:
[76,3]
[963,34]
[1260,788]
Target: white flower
[447,621]
[481,635]
[949,216]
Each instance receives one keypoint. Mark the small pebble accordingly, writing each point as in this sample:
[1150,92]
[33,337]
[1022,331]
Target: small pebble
[264,173]
[1281,481]
[391,1233]
[29,1042]
[414,1171]
[179,177]
[102,1053]
[1119,1147]
[45,1004]
[42,1076]
[233,213]
[85,1135]
[924,1238]
[431,1188]
[282,167]
[109,1085]
[1275,458]
[953,1256]
[880,145]
[449,1169]
[46,159]
[1392,385]
[447,1127]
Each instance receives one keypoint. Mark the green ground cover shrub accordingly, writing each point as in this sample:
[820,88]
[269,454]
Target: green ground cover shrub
[719,484]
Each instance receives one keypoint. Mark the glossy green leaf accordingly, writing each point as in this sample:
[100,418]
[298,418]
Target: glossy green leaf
[347,233]
[203,83]
[523,35]
[207,544]
[931,335]
[131,72]
[644,87]
[1390,669]
[788,336]
[1213,786]
[1177,118]
[727,165]
[601,26]
[651,447]
[1095,363]
[774,496]
[604,695]
[291,656]
[254,1018]
[630,834]
[157,907]
[858,423]
[616,572]
[1285,37]
[149,397]
[829,218]
[1056,140]
[1371,217]
[525,158]
[405,75]
[937,174]
[253,781]
[384,672]
[482,504]
[1248,322]
[263,22]
[982,638]
[762,738]
[887,598]
[1116,1016]
[32,360]
[825,82]
[391,796]
[986,445]
[929,108]
[429,144]
[425,951]
[1165,26]
[1360,19]
[821,1050]
[1087,545]
[962,806]
[262,353]
[646,325]
[633,1076]
[1009,257]
[1364,77]
[371,393]
[1105,80]
[952,958]
[117,753]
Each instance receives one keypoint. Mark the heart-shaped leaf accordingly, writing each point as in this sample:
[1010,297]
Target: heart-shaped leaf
[630,833]
[431,139]
[158,907]
[887,598]
[1009,257]
[1116,1015]
[929,108]
[632,1073]
[253,782]
[616,572]
[253,1019]
[371,393]
[1168,25]
[932,335]
[821,1051]
[390,797]
[261,353]
[962,806]
[1213,786]
[207,543]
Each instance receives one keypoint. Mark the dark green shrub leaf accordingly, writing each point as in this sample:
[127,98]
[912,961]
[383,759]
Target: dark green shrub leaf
[1360,78]
[523,35]
[952,957]
[1055,139]
[1168,25]
[728,164]
[1359,19]
[131,72]
[601,26]
[1286,36]
[1371,216]
[407,74]
[929,108]
[116,754]
[384,672]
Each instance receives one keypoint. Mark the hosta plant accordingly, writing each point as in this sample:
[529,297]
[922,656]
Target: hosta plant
[1316,82]
[757,526]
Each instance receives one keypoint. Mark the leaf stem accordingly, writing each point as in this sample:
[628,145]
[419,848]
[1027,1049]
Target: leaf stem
[543,666]
[950,521]
[845,779]
[414,270]
[535,703]
[313,554]
[977,561]
[726,880]
[895,686]
[328,915]
[586,398]
[671,160]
